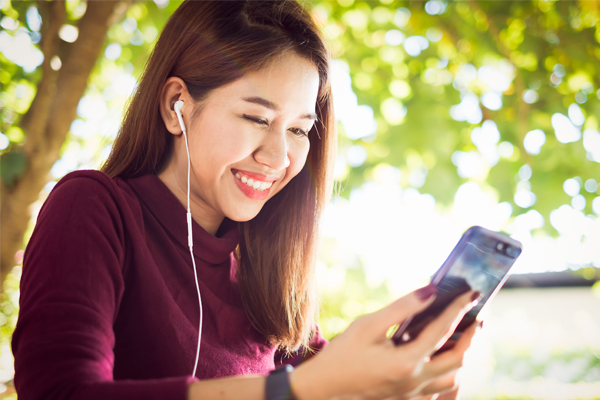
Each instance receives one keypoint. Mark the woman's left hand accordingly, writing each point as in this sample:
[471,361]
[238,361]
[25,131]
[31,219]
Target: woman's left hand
[446,387]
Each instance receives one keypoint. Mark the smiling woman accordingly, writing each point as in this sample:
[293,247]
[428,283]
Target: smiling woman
[233,121]
[254,129]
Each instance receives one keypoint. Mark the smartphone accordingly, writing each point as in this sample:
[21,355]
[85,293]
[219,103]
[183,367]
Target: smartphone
[480,261]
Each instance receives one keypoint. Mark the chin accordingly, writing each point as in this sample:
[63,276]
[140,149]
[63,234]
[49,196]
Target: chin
[243,216]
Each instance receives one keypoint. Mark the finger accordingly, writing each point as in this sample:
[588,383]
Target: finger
[430,397]
[396,312]
[403,397]
[442,384]
[450,395]
[452,359]
[441,328]
[463,343]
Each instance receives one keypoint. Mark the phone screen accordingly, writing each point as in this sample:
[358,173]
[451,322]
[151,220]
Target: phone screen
[480,261]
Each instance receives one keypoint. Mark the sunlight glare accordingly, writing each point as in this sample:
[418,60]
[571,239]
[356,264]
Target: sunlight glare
[394,37]
[485,138]
[525,198]
[4,142]
[591,143]
[68,33]
[414,45]
[468,109]
[575,115]
[564,129]
[20,50]
[492,101]
[470,164]
[534,140]
[572,187]
[497,79]
[356,155]
[506,149]
[578,202]
[358,120]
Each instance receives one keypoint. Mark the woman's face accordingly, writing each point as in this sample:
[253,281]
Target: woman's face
[249,139]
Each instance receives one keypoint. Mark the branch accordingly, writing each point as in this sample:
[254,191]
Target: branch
[48,120]
[34,121]
[76,69]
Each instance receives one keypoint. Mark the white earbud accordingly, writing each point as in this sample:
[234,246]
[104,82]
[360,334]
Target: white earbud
[178,107]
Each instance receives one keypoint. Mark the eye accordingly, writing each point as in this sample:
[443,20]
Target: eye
[299,132]
[256,120]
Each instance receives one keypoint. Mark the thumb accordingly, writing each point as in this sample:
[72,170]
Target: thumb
[399,310]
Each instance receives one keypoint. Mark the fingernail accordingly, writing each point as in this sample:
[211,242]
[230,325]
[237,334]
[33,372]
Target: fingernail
[426,292]
[480,324]
[476,297]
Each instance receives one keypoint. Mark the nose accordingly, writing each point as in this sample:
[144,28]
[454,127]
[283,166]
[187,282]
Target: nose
[273,150]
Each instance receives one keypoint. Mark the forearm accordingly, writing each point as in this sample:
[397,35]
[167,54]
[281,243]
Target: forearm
[251,387]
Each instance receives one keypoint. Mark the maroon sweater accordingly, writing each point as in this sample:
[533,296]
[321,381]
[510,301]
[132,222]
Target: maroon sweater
[109,308]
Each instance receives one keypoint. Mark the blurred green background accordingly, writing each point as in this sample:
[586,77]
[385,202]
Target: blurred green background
[450,114]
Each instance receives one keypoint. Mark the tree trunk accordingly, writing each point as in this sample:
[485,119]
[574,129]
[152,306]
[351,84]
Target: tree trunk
[47,122]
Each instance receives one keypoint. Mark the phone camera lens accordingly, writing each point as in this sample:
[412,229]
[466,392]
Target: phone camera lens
[500,246]
[512,251]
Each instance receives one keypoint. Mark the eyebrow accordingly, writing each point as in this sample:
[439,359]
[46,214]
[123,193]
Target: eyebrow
[272,106]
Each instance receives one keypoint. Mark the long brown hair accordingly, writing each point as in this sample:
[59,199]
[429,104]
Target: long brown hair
[209,44]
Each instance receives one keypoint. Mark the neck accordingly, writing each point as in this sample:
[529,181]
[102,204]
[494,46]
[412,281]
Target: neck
[177,184]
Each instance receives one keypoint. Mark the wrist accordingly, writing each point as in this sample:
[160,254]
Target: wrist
[193,391]
[248,387]
[296,386]
[303,387]
[278,384]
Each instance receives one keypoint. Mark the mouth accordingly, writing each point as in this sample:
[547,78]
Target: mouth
[255,186]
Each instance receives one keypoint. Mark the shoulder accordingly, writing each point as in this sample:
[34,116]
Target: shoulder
[85,210]
[91,185]
[85,183]
[89,194]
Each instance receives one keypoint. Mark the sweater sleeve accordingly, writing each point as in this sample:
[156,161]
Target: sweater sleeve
[71,288]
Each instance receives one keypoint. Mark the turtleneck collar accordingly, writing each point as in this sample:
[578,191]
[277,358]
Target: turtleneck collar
[171,214]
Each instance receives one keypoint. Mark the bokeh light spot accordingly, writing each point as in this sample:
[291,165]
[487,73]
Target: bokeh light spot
[564,129]
[534,140]
[571,187]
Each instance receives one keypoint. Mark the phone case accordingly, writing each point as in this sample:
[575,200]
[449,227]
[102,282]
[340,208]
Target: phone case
[480,261]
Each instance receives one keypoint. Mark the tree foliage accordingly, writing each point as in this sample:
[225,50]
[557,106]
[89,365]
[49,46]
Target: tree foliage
[455,90]
[524,66]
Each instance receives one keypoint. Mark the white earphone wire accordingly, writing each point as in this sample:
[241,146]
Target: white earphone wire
[191,245]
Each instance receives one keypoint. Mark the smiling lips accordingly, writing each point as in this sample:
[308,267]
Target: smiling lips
[254,186]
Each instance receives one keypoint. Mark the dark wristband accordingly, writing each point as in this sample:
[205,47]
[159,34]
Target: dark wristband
[278,384]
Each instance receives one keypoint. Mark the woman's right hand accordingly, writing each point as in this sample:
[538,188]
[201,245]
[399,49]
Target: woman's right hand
[363,363]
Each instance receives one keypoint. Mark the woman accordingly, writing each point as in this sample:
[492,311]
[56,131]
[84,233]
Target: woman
[237,95]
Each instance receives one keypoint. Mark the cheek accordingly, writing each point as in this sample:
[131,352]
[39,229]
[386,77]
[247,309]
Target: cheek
[298,154]
[222,144]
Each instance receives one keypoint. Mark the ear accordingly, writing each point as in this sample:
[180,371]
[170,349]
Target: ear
[173,90]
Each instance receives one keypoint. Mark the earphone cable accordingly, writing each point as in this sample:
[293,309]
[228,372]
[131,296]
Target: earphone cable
[190,245]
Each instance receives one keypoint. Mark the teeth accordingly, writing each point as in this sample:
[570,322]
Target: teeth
[256,185]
